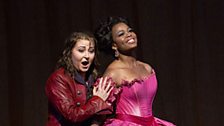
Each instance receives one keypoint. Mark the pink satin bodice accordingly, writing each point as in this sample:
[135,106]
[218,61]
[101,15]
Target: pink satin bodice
[134,104]
[136,97]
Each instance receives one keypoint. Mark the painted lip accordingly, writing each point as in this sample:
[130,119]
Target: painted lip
[84,67]
[131,41]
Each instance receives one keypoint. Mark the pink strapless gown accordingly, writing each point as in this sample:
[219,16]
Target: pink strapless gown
[136,99]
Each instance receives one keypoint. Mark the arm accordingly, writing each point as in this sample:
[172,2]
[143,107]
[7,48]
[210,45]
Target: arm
[60,95]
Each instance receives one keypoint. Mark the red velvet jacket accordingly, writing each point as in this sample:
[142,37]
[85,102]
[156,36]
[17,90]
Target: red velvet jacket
[70,100]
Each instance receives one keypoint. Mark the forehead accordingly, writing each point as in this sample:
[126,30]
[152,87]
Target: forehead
[84,42]
[119,26]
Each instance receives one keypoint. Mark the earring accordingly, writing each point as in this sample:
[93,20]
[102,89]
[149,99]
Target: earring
[116,53]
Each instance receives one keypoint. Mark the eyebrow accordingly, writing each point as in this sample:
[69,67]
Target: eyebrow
[124,30]
[83,46]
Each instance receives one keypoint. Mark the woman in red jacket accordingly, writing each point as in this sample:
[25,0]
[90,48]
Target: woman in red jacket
[72,99]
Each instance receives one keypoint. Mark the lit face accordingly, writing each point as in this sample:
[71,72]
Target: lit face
[83,55]
[124,38]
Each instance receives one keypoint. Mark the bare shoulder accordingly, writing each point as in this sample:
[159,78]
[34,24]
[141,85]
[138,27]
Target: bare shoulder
[147,66]
[114,71]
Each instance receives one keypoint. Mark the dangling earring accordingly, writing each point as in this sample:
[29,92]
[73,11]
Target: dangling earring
[116,53]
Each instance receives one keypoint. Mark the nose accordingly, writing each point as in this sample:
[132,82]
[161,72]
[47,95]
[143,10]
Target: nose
[128,34]
[86,54]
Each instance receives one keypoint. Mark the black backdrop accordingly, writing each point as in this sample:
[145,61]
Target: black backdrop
[181,39]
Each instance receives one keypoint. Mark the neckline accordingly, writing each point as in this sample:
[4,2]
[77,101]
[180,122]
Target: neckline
[133,81]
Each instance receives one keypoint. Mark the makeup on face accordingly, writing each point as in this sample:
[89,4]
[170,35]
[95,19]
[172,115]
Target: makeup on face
[83,54]
[124,37]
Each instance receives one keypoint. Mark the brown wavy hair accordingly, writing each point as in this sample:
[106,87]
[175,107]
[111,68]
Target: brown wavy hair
[65,60]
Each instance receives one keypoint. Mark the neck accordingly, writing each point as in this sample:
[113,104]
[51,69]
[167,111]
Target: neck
[127,59]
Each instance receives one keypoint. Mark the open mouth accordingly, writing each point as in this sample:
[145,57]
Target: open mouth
[131,41]
[85,63]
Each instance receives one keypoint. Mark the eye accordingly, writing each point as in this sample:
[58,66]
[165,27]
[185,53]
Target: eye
[91,50]
[120,33]
[81,50]
[130,30]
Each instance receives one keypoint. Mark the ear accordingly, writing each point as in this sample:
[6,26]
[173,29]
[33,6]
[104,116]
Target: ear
[114,46]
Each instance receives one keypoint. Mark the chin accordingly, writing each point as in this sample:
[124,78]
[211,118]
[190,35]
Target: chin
[84,70]
[133,47]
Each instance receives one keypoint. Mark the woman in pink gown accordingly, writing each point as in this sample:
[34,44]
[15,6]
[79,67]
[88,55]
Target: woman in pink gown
[135,80]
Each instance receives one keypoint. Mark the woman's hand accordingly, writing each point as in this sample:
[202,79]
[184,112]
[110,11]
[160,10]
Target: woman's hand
[103,89]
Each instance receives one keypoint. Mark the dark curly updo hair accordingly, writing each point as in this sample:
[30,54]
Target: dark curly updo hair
[103,33]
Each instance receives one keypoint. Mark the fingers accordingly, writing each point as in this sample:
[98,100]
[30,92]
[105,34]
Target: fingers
[108,93]
[95,89]
[100,83]
[104,83]
[108,86]
[104,88]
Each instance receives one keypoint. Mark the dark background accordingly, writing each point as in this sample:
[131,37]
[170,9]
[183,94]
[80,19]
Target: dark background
[181,39]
